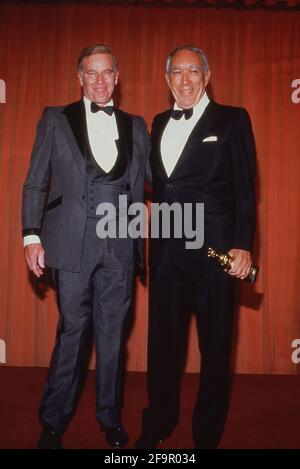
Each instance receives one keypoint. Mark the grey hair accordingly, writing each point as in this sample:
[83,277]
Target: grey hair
[96,49]
[195,49]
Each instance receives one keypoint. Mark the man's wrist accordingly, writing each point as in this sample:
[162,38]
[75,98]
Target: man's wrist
[31,239]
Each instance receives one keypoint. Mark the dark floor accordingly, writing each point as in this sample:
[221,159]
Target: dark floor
[264,411]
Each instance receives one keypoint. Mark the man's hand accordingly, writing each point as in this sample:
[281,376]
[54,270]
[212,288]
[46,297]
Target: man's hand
[34,255]
[241,264]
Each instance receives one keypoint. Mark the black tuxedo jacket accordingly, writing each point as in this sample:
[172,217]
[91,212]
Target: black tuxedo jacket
[54,204]
[218,172]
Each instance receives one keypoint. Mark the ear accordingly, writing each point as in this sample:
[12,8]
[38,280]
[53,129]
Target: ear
[116,78]
[207,77]
[80,79]
[168,80]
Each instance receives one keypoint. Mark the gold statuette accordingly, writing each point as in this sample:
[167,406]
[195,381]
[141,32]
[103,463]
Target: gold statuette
[226,261]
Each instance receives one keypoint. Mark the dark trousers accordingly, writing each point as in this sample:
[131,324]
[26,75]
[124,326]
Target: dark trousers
[212,293]
[99,295]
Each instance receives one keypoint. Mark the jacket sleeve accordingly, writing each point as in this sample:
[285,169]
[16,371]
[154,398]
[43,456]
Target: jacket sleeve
[37,180]
[244,168]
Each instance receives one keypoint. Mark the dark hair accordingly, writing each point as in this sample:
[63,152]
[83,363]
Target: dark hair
[192,49]
[96,49]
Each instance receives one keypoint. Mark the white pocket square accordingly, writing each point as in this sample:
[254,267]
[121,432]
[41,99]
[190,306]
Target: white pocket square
[213,138]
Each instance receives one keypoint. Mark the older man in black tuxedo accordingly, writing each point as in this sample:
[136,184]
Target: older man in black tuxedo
[86,153]
[202,152]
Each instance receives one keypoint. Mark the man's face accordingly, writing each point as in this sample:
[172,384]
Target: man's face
[186,79]
[98,78]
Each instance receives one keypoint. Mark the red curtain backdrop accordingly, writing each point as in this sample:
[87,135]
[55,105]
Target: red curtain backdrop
[254,58]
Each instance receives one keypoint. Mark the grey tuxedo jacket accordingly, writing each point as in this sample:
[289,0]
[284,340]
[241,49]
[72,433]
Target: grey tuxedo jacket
[54,205]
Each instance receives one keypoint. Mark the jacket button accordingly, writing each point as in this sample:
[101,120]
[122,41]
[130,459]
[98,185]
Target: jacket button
[83,197]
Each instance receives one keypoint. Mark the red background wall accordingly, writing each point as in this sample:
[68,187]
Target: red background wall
[254,57]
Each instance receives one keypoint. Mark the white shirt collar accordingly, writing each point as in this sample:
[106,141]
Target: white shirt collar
[100,122]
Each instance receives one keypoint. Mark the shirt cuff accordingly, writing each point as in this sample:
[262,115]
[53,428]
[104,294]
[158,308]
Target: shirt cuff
[30,239]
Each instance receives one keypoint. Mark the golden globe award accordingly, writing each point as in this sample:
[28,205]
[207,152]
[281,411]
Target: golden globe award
[226,261]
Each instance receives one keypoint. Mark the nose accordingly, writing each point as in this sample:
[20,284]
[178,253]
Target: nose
[99,78]
[185,78]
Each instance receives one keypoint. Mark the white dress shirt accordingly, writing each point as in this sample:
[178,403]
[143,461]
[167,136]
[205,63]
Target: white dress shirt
[102,133]
[176,134]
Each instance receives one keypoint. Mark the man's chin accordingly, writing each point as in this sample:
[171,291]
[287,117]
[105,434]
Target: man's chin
[186,103]
[101,100]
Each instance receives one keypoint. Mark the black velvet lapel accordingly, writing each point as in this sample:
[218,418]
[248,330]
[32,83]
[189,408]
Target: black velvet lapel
[158,128]
[125,142]
[124,124]
[76,131]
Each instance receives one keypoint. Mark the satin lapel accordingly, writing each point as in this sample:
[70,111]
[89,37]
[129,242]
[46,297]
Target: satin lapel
[205,122]
[125,142]
[156,136]
[74,126]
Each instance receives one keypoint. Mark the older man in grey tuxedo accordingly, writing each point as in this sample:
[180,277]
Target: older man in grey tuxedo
[85,153]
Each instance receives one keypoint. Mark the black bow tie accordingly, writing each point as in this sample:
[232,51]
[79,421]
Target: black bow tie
[177,114]
[107,109]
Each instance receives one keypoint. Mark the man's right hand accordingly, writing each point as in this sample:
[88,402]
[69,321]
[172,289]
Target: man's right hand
[35,258]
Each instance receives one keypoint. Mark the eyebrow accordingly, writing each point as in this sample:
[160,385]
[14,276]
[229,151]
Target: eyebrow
[96,71]
[178,67]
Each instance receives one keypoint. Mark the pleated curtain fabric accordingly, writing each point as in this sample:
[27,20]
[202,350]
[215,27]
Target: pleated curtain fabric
[255,63]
